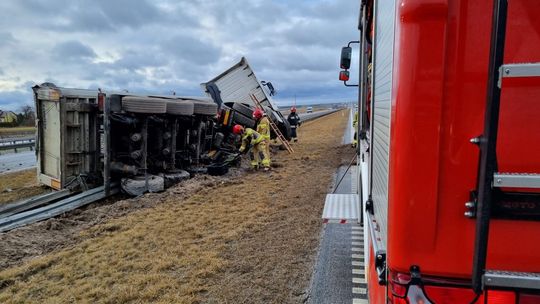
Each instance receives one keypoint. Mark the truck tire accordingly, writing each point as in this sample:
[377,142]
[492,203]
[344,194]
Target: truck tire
[180,107]
[137,186]
[204,108]
[145,105]
[174,177]
[243,120]
[242,108]
[218,140]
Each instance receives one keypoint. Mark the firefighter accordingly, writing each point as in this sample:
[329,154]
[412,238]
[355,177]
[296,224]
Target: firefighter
[294,121]
[263,127]
[263,124]
[258,145]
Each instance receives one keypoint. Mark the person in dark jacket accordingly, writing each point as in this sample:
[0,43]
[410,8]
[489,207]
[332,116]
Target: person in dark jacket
[294,121]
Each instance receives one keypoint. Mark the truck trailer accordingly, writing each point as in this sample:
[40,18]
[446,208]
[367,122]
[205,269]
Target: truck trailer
[449,145]
[144,142]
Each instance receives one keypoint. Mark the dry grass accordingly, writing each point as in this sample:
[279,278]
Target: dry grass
[19,185]
[17,129]
[246,241]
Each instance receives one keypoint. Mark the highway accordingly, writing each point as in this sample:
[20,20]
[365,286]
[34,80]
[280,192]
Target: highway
[17,161]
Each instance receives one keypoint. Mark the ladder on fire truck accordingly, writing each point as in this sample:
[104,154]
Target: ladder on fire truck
[490,181]
[273,125]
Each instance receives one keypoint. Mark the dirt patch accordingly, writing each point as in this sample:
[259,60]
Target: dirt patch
[65,230]
[19,185]
[243,238]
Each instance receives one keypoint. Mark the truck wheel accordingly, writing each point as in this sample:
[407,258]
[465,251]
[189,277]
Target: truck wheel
[204,108]
[180,107]
[174,177]
[243,120]
[242,108]
[146,105]
[218,140]
[137,186]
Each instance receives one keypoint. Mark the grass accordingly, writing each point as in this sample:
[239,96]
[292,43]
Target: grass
[17,129]
[19,185]
[252,239]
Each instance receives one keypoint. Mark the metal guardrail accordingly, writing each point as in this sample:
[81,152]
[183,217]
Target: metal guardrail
[33,202]
[64,205]
[13,140]
[315,115]
[17,143]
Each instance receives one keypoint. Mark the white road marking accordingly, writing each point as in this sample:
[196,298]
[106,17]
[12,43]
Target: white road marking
[359,301]
[358,271]
[357,256]
[357,237]
[356,228]
[357,233]
[356,249]
[357,243]
[357,263]
[358,290]
[358,280]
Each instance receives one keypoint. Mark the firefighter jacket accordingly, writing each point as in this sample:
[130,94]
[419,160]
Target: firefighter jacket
[263,127]
[250,137]
[294,120]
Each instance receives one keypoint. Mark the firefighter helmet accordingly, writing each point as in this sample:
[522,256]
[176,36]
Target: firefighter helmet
[238,129]
[258,113]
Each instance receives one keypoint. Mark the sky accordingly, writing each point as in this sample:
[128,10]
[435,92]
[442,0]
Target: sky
[161,46]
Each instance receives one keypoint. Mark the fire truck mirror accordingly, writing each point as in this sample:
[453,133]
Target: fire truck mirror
[344,75]
[346,54]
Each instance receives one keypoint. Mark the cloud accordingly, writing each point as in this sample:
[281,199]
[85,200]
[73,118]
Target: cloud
[6,39]
[73,51]
[190,49]
[14,100]
[165,45]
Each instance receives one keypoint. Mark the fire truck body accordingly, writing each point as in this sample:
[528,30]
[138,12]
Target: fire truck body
[423,87]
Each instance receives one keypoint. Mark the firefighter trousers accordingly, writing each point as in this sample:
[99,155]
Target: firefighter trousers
[259,148]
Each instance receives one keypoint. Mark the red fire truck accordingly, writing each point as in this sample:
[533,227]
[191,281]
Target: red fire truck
[449,149]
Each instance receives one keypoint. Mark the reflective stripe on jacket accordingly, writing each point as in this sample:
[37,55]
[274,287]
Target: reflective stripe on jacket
[250,136]
[263,127]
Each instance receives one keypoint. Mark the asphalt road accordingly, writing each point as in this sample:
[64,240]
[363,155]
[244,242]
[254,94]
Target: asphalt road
[17,161]
[334,278]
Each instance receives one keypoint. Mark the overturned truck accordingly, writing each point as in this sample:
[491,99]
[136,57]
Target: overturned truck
[91,138]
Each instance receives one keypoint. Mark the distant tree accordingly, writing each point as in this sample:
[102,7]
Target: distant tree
[28,115]
[20,118]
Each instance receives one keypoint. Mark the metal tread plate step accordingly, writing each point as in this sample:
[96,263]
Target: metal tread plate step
[511,279]
[341,208]
[516,180]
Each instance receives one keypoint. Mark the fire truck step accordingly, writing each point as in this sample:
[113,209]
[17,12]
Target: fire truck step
[519,70]
[516,180]
[342,208]
[509,279]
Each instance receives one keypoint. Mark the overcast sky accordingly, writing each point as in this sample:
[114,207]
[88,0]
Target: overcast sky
[161,46]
